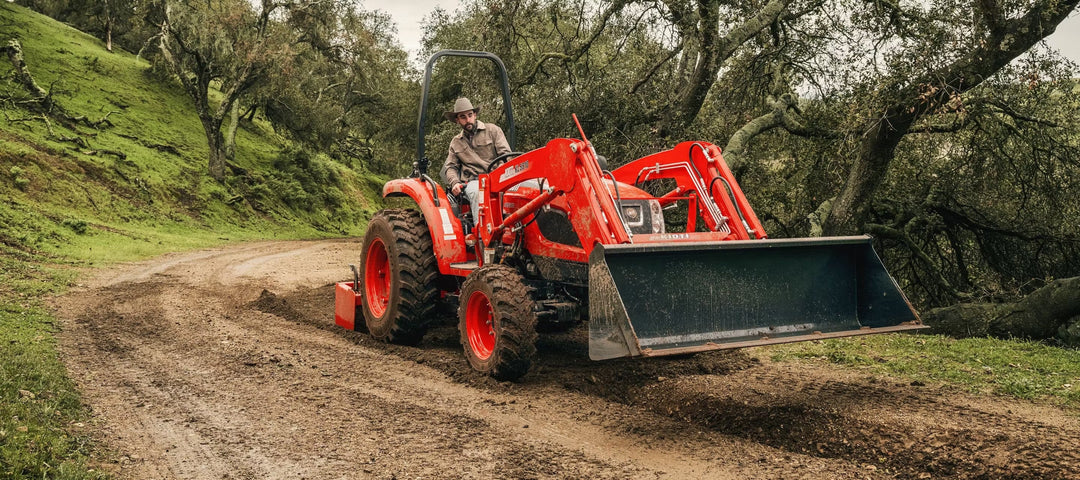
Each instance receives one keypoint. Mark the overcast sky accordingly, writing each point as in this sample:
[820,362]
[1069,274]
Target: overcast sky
[408,14]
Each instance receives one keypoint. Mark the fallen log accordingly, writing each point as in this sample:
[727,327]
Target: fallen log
[1050,312]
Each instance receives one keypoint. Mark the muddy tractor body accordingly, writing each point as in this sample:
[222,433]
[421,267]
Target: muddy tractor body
[661,256]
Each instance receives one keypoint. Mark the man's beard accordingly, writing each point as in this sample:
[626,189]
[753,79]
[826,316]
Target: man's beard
[469,128]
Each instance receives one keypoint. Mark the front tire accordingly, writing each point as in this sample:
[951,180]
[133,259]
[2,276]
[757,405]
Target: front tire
[400,275]
[497,322]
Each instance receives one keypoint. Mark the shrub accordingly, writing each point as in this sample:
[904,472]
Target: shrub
[20,181]
[80,227]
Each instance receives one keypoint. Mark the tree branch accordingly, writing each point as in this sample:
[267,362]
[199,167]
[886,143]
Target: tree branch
[928,93]
[784,112]
[955,125]
[714,51]
[652,71]
[575,54]
[1012,113]
[992,14]
[885,231]
[13,50]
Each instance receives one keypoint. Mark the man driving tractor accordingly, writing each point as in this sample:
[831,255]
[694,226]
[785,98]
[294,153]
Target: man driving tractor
[471,151]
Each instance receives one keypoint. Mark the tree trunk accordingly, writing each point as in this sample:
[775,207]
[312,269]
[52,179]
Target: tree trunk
[1051,311]
[216,141]
[108,26]
[867,174]
[230,134]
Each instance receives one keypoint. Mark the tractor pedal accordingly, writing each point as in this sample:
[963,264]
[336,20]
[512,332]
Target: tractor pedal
[470,265]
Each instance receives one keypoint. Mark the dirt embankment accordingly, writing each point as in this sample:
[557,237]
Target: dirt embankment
[226,364]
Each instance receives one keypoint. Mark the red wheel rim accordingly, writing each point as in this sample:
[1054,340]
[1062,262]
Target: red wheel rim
[377,278]
[480,325]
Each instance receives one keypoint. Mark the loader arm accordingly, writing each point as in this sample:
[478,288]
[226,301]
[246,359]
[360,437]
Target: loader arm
[699,169]
[565,167]
[569,168]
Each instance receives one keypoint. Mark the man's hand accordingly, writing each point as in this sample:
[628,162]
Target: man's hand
[456,189]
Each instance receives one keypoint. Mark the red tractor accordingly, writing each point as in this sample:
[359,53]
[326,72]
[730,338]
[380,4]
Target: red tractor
[594,245]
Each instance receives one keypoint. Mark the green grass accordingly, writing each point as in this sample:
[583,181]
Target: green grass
[1019,369]
[39,405]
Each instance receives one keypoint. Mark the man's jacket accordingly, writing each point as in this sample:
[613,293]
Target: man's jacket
[469,157]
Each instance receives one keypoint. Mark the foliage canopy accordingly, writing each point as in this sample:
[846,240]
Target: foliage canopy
[946,129]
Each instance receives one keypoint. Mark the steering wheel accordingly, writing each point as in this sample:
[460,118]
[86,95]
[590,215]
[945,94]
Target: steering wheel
[501,159]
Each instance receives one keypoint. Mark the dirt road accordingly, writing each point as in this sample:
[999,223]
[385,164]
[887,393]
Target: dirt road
[227,364]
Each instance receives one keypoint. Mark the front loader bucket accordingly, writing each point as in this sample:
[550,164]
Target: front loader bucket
[672,298]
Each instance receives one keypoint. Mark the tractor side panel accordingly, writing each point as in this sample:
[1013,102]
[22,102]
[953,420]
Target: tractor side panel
[447,234]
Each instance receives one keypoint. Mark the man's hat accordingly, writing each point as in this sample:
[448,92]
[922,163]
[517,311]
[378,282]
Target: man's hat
[461,105]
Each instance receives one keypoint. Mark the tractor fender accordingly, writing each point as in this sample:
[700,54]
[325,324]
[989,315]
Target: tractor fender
[447,235]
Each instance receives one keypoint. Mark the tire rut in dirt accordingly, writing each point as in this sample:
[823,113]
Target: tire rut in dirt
[111,326]
[413,275]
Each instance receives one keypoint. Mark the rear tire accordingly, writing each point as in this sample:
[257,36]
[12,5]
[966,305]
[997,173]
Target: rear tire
[399,275]
[497,322]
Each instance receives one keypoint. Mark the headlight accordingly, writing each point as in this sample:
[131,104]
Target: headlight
[632,214]
[657,216]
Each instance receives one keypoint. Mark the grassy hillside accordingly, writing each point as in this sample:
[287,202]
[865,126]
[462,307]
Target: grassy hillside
[134,187]
[58,193]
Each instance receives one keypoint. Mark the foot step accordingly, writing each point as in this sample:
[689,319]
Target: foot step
[464,265]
